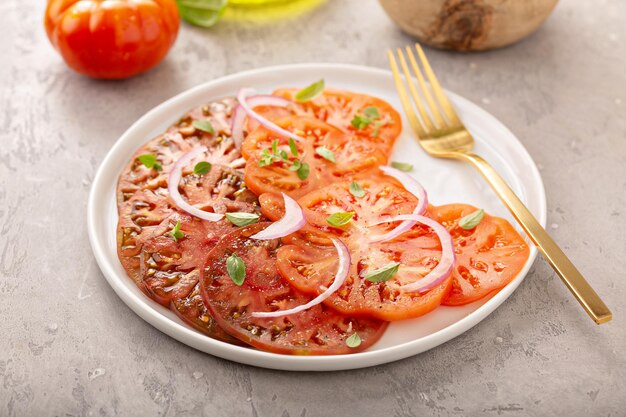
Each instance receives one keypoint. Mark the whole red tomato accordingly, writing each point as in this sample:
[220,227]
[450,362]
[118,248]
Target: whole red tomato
[112,39]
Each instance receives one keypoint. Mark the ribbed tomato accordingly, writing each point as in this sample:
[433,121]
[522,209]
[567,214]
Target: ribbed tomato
[112,39]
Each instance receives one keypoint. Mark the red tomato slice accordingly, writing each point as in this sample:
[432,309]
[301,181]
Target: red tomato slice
[351,156]
[316,331]
[309,262]
[487,257]
[339,108]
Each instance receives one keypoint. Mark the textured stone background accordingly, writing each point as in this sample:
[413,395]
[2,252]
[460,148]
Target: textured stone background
[69,346]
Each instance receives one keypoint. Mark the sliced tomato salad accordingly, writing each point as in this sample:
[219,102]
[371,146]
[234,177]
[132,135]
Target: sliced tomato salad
[488,256]
[317,331]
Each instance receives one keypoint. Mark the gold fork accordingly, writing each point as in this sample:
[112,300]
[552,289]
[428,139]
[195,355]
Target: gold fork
[443,135]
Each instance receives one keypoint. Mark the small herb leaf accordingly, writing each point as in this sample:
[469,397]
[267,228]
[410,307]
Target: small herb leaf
[326,154]
[340,218]
[236,269]
[356,190]
[202,167]
[204,125]
[310,92]
[176,233]
[471,220]
[354,340]
[402,166]
[303,171]
[293,147]
[150,161]
[242,219]
[204,13]
[383,274]
[360,122]
[371,113]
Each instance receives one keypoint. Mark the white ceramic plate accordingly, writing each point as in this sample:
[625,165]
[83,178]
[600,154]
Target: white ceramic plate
[446,181]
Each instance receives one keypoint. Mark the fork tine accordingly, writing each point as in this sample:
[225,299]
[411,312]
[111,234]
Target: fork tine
[426,121]
[437,90]
[404,98]
[439,120]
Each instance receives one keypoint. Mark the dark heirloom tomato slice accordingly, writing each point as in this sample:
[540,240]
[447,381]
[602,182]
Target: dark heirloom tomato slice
[352,156]
[309,262]
[487,257]
[191,310]
[317,331]
[338,108]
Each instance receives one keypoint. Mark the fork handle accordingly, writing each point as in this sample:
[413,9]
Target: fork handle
[565,269]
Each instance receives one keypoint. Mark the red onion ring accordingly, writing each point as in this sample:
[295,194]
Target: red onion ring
[342,273]
[292,221]
[242,96]
[415,188]
[174,180]
[239,114]
[446,263]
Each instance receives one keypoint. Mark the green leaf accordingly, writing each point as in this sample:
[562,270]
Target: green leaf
[202,167]
[340,218]
[371,113]
[150,161]
[471,220]
[242,219]
[356,190]
[360,122]
[383,274]
[236,269]
[204,13]
[402,166]
[293,147]
[204,125]
[275,146]
[303,171]
[176,233]
[296,166]
[354,340]
[326,154]
[310,92]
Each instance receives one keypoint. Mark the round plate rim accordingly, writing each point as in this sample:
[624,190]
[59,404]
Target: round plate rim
[270,360]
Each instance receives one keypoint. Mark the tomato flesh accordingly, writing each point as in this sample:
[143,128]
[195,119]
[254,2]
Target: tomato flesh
[317,331]
[487,257]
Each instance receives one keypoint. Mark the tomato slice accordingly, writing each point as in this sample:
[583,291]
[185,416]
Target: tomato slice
[316,331]
[308,262]
[487,257]
[191,310]
[339,108]
[352,156]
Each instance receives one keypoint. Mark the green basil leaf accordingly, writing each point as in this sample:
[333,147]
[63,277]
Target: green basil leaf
[176,233]
[202,167]
[150,161]
[204,125]
[356,190]
[293,147]
[402,166]
[326,154]
[383,274]
[371,113]
[310,92]
[340,218]
[303,171]
[471,220]
[204,13]
[242,219]
[236,269]
[354,340]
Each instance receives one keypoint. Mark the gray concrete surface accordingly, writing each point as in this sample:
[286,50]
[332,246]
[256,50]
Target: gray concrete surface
[70,347]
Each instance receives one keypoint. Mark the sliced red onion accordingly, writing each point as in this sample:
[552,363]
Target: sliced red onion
[239,114]
[292,221]
[174,180]
[415,188]
[342,273]
[243,102]
[446,263]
